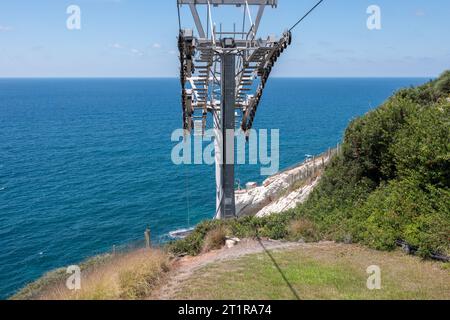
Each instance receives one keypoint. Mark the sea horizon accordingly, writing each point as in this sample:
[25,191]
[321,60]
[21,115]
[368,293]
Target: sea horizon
[272,77]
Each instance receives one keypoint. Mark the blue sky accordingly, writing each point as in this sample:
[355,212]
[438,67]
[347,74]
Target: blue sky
[137,38]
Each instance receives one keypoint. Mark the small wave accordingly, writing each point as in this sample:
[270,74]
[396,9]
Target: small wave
[2,188]
[181,233]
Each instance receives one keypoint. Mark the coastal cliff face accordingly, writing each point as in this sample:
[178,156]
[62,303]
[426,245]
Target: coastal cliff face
[290,201]
[284,190]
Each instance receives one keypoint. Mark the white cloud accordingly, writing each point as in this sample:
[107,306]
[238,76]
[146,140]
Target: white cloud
[116,46]
[420,13]
[133,51]
[156,46]
[172,52]
[137,52]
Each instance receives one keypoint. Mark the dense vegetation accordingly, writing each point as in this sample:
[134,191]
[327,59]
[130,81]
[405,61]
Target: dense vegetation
[392,179]
[390,182]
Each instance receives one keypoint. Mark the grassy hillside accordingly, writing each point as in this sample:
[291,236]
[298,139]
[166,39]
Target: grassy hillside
[128,276]
[390,182]
[392,179]
[316,271]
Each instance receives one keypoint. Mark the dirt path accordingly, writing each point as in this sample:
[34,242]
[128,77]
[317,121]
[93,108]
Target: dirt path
[185,267]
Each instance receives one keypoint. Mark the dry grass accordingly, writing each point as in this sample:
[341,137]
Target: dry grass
[215,239]
[127,276]
[303,229]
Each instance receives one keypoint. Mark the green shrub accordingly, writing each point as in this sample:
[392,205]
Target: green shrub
[422,148]
[404,211]
[303,229]
[193,244]
[442,85]
[215,239]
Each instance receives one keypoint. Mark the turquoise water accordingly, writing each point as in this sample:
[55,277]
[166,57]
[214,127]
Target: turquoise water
[86,164]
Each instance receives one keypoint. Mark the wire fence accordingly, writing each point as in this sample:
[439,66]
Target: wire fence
[308,170]
[155,242]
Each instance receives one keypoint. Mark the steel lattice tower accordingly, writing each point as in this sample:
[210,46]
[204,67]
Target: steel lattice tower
[224,73]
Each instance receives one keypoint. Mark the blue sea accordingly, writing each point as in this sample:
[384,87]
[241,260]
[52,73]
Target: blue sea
[85,164]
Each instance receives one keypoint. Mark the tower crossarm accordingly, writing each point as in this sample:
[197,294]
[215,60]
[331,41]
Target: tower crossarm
[272,3]
[201,77]
[263,59]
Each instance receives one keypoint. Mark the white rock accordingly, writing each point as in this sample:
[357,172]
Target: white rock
[269,198]
[230,243]
[288,202]
[251,185]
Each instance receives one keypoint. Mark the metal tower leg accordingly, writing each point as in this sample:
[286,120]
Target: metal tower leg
[226,208]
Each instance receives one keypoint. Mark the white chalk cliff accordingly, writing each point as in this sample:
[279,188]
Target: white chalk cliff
[282,191]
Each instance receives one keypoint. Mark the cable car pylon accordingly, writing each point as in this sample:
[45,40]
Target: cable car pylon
[223,73]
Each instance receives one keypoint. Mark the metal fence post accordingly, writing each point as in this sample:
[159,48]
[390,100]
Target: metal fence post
[147,238]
